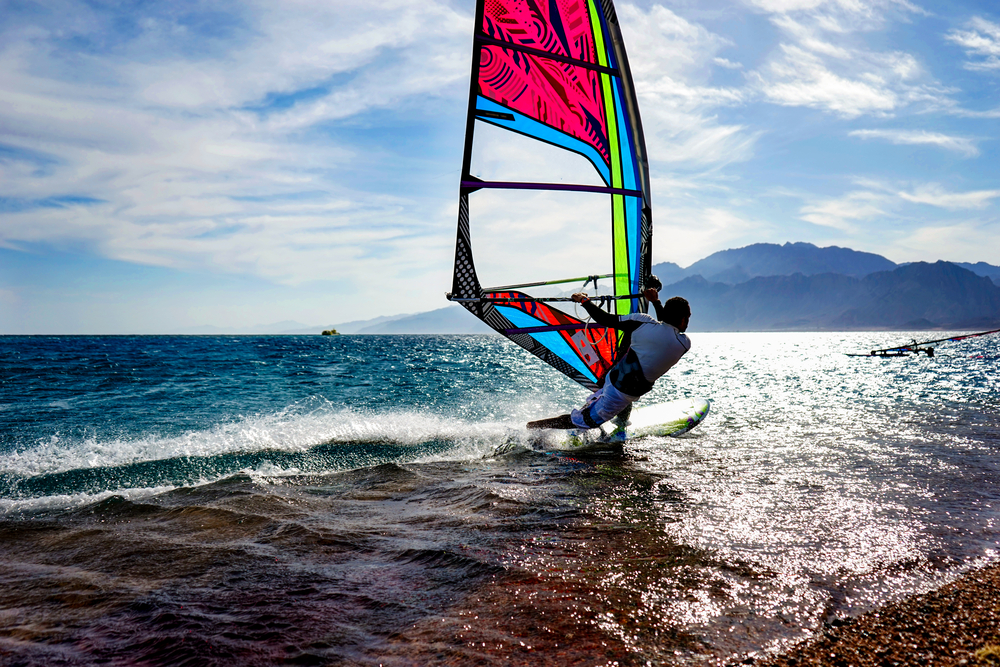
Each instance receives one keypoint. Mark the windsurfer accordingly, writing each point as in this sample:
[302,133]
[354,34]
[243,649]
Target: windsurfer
[652,347]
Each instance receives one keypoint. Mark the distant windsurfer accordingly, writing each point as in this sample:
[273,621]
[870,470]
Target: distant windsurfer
[651,347]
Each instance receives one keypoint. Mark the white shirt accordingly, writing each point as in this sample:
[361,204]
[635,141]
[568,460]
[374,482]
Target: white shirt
[657,345]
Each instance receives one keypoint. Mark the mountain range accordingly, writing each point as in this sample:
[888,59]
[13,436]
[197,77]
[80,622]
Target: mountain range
[739,265]
[771,287]
[794,287]
[915,296]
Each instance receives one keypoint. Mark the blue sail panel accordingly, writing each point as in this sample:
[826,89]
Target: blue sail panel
[553,340]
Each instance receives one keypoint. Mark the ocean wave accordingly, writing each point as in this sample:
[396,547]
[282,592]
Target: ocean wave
[289,442]
[63,501]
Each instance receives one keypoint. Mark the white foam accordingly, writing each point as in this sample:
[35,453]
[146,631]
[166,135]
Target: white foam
[70,501]
[289,430]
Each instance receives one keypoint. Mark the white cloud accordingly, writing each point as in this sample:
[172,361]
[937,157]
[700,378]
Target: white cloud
[672,63]
[953,241]
[961,145]
[886,204]
[722,62]
[823,63]
[991,113]
[668,44]
[801,78]
[300,44]
[982,40]
[686,139]
[842,14]
[684,233]
[786,6]
[935,195]
[845,212]
[207,157]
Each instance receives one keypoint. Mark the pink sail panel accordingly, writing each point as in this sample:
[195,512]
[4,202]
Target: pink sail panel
[557,26]
[565,97]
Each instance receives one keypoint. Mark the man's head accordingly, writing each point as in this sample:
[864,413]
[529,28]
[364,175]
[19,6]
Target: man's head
[676,311]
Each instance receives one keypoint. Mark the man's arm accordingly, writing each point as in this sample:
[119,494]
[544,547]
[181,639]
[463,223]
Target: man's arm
[653,296]
[601,317]
[605,319]
[658,307]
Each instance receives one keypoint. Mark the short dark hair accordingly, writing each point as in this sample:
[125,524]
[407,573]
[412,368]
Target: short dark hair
[675,310]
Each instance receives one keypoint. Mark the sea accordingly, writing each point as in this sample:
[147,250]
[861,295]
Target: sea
[376,500]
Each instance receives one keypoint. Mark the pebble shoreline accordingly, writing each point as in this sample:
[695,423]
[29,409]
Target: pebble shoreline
[944,627]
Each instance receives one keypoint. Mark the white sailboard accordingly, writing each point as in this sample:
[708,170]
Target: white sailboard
[670,419]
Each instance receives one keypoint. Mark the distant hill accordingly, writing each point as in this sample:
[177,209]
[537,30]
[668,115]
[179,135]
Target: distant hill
[739,265]
[668,272]
[942,293]
[356,326]
[452,319]
[982,269]
[918,295]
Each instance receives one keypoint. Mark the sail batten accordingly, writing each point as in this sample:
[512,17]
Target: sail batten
[492,41]
[557,73]
[568,187]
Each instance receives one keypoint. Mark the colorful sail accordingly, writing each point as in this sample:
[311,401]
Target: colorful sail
[556,71]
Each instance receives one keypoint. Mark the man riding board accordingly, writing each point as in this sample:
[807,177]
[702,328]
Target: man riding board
[651,347]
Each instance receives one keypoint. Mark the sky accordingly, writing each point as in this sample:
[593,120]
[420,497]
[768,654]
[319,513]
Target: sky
[165,166]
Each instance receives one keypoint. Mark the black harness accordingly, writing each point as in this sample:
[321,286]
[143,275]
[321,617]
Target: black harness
[627,377]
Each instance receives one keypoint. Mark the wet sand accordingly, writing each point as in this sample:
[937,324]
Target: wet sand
[944,627]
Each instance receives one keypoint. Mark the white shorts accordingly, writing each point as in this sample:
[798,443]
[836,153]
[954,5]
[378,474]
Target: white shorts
[601,406]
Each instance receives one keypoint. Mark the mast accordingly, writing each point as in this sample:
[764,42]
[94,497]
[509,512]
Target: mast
[639,145]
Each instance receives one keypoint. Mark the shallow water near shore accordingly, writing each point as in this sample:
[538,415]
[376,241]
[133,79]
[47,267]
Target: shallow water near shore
[340,500]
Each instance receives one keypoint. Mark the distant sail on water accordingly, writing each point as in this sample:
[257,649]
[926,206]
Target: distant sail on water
[556,72]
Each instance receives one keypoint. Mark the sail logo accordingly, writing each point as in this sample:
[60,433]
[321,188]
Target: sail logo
[584,347]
